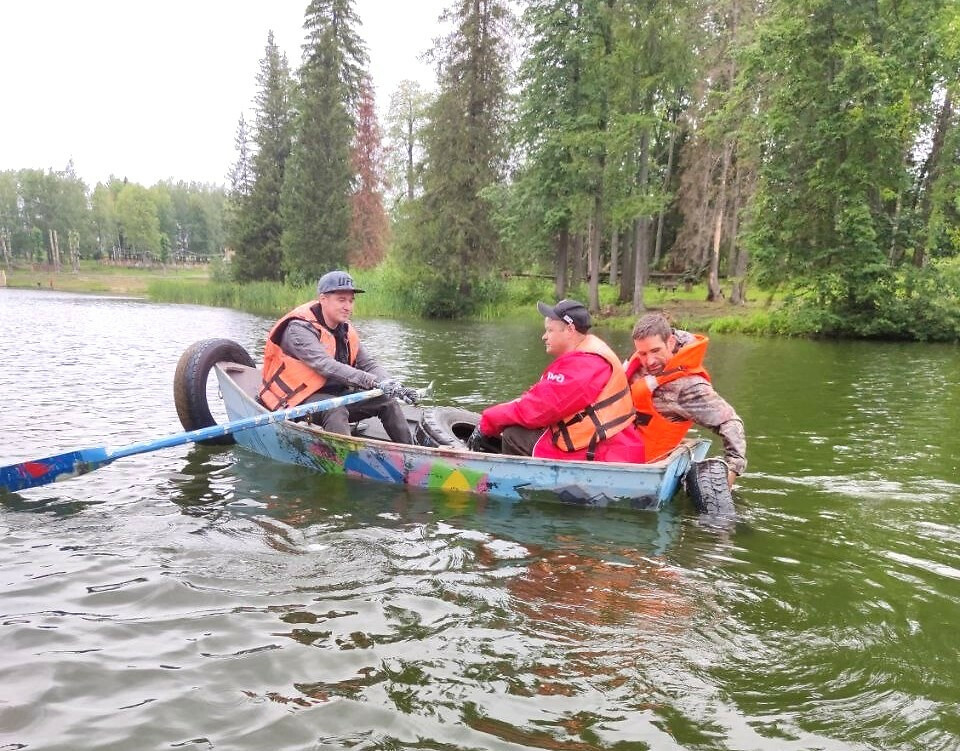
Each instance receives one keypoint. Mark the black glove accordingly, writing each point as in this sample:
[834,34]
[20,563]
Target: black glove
[389,387]
[477,440]
[396,390]
[409,395]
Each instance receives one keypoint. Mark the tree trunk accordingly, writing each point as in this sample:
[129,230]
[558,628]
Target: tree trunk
[594,260]
[702,254]
[73,240]
[577,273]
[54,251]
[614,254]
[930,173]
[666,187]
[738,254]
[713,280]
[563,261]
[5,247]
[641,242]
[410,172]
[641,253]
[626,268]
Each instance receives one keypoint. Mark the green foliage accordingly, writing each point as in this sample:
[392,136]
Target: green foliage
[270,299]
[405,120]
[842,119]
[119,215]
[138,218]
[823,137]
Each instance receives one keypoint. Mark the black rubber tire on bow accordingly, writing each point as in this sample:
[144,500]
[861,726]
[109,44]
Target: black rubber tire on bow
[706,485]
[190,383]
[446,426]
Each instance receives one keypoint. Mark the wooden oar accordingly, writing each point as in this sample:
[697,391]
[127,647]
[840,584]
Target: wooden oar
[36,472]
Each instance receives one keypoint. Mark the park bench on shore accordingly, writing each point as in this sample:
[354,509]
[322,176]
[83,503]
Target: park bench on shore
[668,281]
[665,281]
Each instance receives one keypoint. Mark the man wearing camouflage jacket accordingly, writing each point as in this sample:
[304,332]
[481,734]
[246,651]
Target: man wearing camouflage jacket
[671,391]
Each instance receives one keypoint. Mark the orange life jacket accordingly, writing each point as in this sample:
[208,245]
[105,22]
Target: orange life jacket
[286,380]
[660,435]
[611,412]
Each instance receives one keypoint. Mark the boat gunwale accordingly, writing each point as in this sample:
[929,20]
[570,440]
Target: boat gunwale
[686,448]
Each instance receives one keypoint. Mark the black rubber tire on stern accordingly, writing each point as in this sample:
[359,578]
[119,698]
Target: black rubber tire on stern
[446,426]
[190,383]
[706,484]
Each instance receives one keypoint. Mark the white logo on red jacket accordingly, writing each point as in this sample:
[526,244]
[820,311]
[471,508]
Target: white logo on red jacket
[558,377]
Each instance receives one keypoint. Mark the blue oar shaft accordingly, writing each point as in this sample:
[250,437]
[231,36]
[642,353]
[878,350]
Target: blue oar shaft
[256,421]
[30,474]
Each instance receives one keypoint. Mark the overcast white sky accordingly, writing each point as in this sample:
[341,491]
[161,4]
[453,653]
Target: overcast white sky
[154,91]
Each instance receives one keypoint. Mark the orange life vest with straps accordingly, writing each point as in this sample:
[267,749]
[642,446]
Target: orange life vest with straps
[660,435]
[286,380]
[611,412]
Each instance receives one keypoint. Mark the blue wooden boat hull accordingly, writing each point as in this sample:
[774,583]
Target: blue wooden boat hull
[596,484]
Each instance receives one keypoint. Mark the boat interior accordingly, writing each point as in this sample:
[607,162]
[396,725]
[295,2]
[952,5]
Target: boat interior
[249,380]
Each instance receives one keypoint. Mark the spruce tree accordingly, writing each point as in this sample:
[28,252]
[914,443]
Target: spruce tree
[255,223]
[318,181]
[452,237]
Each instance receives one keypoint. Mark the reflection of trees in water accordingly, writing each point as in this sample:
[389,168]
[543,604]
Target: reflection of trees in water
[566,591]
[48,504]
[204,483]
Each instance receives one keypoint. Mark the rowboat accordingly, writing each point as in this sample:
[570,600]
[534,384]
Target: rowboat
[439,459]
[368,454]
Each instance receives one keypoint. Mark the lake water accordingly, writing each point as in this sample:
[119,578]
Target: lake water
[202,598]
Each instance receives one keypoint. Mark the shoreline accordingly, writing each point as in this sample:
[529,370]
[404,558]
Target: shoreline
[133,282]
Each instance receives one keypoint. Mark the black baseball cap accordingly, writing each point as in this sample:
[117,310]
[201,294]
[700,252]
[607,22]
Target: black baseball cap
[568,311]
[336,281]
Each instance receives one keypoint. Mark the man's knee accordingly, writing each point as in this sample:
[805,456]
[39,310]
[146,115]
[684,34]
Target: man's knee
[519,441]
[333,420]
[395,422]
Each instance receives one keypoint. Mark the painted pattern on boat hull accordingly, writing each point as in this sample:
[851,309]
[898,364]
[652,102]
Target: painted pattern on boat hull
[595,484]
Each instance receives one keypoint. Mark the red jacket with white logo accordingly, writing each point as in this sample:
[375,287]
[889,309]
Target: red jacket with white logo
[569,385]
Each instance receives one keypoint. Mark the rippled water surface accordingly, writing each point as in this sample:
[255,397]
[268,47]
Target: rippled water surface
[204,598]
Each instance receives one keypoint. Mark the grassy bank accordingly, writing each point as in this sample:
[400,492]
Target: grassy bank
[98,278]
[514,298]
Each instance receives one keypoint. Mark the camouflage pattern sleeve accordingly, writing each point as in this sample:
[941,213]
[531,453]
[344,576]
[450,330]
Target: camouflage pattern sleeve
[693,398]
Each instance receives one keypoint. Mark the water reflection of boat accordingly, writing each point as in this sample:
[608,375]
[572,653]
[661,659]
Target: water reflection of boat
[367,454]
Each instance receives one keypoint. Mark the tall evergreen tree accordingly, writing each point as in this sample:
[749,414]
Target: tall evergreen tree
[452,233]
[240,177]
[550,106]
[255,226]
[318,180]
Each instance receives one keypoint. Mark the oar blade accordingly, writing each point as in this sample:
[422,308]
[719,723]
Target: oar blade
[36,472]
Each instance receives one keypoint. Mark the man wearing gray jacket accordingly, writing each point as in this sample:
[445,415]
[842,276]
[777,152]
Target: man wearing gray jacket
[314,353]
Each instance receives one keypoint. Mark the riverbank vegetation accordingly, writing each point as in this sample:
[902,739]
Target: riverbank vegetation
[802,151]
[513,297]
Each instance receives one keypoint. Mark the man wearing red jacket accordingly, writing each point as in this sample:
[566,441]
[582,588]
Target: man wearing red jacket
[580,408]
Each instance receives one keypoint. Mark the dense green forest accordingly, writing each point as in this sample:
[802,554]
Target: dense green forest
[810,147]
